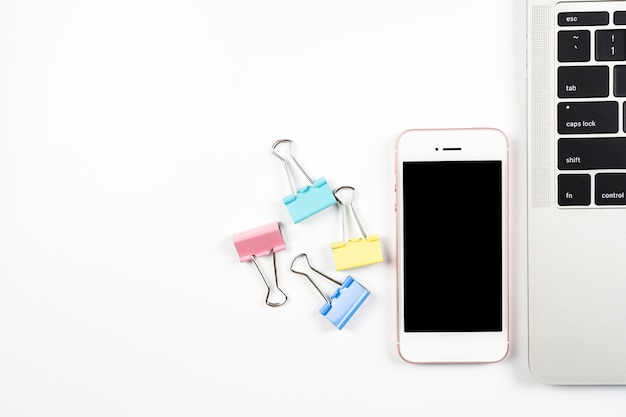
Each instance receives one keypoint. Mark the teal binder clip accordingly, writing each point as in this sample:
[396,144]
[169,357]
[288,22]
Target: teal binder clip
[344,302]
[306,201]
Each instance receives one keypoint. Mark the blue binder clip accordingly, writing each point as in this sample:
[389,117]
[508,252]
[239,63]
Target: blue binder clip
[344,302]
[306,201]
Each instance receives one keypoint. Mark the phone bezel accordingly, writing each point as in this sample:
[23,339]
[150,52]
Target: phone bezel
[462,144]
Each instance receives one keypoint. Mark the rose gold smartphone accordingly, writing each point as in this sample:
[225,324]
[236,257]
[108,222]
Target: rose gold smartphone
[452,245]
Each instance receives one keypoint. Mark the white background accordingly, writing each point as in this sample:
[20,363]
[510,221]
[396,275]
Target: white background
[134,142]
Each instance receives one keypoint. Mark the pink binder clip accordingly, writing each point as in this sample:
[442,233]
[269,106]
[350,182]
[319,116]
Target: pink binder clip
[263,241]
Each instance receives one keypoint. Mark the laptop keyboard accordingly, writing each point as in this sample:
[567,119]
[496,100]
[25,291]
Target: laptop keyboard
[591,104]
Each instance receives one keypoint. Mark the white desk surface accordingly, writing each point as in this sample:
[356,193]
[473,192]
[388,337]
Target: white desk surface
[134,142]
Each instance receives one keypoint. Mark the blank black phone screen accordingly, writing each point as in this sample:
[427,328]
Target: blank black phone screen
[453,237]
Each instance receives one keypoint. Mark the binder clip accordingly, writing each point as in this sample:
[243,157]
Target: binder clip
[351,253]
[308,200]
[344,302]
[263,241]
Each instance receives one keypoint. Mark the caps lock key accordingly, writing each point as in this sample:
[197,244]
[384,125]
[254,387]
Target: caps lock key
[588,117]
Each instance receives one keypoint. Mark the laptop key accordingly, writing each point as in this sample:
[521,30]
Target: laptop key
[611,45]
[619,18]
[619,81]
[588,117]
[589,81]
[592,153]
[574,46]
[583,18]
[574,189]
[610,189]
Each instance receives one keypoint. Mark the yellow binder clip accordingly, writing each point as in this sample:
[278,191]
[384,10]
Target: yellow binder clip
[355,252]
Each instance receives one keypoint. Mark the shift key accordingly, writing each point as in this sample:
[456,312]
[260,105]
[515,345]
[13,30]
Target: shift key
[591,153]
[588,117]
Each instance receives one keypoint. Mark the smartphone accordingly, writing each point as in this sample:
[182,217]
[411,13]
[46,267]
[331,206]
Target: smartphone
[452,245]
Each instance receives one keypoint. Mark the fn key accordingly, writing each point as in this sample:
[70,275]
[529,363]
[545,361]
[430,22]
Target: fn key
[574,189]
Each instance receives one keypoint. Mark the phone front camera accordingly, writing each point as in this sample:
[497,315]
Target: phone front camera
[436,149]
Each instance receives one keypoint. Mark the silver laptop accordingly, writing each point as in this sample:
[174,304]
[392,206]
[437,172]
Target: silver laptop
[577,191]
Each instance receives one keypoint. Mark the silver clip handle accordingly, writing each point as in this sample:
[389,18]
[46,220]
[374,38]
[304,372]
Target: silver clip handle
[284,159]
[345,206]
[306,258]
[273,291]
